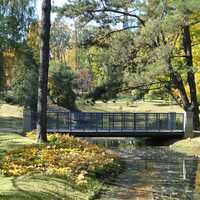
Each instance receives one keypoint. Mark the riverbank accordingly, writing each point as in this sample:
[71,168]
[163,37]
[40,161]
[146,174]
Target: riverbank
[189,146]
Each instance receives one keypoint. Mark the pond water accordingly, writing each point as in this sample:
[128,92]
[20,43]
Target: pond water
[152,172]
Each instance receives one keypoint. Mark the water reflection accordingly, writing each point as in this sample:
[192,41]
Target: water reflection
[152,173]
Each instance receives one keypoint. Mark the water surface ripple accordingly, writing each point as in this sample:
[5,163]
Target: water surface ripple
[152,173]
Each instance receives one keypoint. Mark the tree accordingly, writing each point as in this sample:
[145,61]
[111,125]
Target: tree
[59,42]
[162,42]
[43,72]
[15,18]
[187,43]
[24,83]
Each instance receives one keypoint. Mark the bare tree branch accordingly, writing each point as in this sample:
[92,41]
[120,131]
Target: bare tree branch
[118,30]
[120,12]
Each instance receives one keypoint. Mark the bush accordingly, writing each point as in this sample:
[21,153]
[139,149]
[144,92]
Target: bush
[62,156]
[60,87]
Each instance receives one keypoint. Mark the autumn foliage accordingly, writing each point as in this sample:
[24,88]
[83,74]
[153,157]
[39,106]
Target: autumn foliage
[63,156]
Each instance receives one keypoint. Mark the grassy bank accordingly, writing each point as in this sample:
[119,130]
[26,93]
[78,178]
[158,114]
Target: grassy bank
[187,146]
[33,175]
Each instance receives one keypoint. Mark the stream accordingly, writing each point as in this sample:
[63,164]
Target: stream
[152,172]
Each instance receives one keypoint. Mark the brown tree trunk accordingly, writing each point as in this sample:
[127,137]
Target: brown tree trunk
[190,75]
[2,74]
[177,82]
[43,72]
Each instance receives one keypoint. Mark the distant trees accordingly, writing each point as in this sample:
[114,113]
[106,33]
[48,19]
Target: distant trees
[59,41]
[24,82]
[148,45]
[15,18]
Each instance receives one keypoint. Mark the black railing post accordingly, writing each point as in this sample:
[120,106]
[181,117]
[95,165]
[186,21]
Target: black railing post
[123,121]
[183,121]
[113,121]
[146,121]
[109,122]
[96,124]
[83,120]
[134,121]
[158,121]
[70,122]
[57,121]
[102,124]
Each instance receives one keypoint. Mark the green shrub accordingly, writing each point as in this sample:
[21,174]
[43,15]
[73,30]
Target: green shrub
[60,87]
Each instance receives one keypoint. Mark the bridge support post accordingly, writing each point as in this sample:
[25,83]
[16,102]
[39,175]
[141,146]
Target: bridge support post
[27,121]
[188,124]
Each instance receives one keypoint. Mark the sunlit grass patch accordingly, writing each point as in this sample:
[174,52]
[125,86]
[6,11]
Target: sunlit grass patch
[187,146]
[128,106]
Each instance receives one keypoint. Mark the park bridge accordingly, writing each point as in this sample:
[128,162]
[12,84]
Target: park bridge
[102,124]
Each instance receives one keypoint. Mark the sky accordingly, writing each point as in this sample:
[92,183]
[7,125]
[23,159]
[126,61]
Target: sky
[54,2]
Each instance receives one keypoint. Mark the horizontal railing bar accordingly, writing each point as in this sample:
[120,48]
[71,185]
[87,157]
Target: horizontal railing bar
[114,112]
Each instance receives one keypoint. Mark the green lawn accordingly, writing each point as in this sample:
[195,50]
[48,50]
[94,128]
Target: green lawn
[127,106]
[31,187]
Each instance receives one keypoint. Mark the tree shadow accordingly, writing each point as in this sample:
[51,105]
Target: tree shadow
[24,191]
[11,124]
[164,104]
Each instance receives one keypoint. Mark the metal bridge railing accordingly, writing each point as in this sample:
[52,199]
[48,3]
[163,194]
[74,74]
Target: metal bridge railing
[90,121]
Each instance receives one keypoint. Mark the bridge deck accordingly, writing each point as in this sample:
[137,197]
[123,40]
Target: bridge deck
[118,133]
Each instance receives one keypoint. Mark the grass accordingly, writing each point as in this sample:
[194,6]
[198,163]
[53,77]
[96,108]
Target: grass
[187,146]
[8,110]
[11,118]
[38,186]
[127,106]
[34,186]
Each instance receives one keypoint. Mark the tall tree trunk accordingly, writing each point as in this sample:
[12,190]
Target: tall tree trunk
[190,75]
[2,73]
[43,72]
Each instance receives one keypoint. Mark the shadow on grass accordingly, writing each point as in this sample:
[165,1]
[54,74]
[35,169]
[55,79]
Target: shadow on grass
[164,104]
[32,195]
[11,124]
[10,141]
[39,187]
